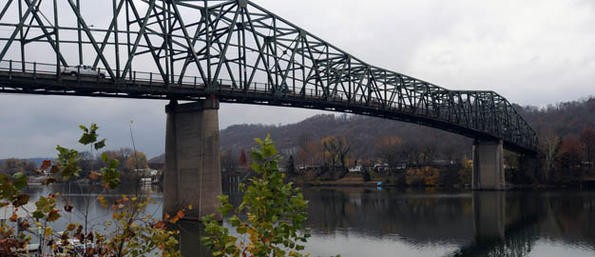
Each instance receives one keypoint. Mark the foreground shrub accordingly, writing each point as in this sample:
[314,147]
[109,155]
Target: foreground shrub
[270,219]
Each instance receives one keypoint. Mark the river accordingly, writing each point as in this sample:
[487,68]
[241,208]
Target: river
[355,222]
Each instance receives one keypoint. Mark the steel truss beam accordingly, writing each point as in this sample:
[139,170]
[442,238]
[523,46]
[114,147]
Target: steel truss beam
[224,46]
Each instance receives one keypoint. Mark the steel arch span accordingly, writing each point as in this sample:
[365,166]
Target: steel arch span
[232,49]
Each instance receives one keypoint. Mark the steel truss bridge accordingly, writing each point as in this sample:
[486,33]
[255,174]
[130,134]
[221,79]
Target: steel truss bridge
[232,49]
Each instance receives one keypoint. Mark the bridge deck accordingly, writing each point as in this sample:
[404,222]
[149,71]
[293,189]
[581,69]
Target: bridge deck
[143,86]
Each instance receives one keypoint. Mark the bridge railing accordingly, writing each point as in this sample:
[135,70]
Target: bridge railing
[224,85]
[35,68]
[155,78]
[480,110]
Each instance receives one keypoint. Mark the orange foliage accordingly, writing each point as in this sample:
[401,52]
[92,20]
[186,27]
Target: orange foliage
[425,176]
[388,142]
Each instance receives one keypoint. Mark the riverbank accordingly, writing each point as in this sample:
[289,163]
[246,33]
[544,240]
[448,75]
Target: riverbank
[360,182]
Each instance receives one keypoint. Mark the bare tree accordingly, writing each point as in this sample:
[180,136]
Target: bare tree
[549,142]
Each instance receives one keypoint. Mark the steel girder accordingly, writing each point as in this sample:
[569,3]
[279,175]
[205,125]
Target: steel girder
[234,49]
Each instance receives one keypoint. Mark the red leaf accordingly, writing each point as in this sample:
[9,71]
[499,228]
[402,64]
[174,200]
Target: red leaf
[46,164]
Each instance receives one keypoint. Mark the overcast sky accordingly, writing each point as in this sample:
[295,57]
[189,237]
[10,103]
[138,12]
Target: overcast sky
[533,52]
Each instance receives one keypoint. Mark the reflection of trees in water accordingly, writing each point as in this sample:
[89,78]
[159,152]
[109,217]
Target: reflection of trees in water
[572,218]
[416,217]
[83,197]
[422,218]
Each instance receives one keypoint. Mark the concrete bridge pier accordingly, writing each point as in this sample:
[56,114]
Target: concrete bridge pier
[488,165]
[192,173]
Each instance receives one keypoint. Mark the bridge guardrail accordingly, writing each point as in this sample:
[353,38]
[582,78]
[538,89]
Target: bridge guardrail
[472,104]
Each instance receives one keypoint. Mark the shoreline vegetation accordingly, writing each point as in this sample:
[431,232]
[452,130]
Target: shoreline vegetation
[324,149]
[332,149]
[270,220]
[33,229]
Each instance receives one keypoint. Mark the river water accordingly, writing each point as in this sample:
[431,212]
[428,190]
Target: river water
[355,222]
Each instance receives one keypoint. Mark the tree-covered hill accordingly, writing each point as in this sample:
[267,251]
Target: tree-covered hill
[367,137]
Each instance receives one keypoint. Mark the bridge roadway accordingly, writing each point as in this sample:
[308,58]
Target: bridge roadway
[43,79]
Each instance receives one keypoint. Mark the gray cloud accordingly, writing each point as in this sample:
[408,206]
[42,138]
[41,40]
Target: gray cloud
[532,52]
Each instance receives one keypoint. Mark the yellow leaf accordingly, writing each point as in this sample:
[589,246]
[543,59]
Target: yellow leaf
[48,231]
[71,227]
[102,201]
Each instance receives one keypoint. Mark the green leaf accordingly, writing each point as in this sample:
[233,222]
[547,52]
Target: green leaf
[21,200]
[38,215]
[89,134]
[242,230]
[71,170]
[104,157]
[110,178]
[100,144]
[113,164]
[88,139]
[235,221]
[20,180]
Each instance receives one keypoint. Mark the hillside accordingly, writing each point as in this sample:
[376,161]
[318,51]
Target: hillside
[365,134]
[564,119]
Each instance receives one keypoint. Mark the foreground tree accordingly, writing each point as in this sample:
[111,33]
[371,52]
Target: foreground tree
[130,232]
[270,218]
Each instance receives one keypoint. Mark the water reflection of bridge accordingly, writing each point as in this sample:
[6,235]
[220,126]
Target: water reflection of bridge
[480,223]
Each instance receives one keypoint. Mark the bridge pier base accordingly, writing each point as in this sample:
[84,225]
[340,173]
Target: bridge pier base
[488,165]
[192,168]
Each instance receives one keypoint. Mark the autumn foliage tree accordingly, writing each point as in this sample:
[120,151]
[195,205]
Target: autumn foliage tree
[424,176]
[130,232]
[310,153]
[549,144]
[568,161]
[335,150]
[587,139]
[389,148]
[270,219]
[137,160]
[243,159]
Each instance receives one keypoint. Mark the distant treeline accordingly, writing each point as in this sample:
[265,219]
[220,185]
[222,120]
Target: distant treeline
[128,164]
[566,133]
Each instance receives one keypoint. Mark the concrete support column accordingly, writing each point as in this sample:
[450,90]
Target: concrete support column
[192,168]
[488,165]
